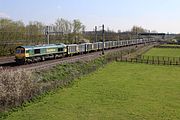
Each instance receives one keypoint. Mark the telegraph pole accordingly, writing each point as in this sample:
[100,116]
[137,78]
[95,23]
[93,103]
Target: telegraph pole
[47,33]
[95,33]
[103,38]
[136,34]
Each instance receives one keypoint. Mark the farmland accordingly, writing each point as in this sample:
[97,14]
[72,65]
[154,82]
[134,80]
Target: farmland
[164,56]
[168,52]
[118,91]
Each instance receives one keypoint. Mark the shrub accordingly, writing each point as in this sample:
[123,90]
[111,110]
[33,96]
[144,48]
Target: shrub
[69,71]
[15,87]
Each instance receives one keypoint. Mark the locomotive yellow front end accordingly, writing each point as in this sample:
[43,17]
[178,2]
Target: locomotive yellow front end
[20,55]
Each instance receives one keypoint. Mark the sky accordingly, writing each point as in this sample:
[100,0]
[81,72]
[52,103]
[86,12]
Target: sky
[159,15]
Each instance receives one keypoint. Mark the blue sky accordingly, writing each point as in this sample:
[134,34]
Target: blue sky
[159,15]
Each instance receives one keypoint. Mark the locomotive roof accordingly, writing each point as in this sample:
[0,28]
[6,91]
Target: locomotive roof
[44,46]
[72,44]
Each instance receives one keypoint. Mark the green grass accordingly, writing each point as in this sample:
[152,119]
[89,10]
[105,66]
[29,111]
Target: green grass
[120,91]
[168,52]
[161,54]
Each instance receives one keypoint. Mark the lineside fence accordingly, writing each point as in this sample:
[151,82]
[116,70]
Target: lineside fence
[158,60]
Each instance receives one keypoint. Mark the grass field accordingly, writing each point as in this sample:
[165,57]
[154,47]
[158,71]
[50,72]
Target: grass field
[168,52]
[120,91]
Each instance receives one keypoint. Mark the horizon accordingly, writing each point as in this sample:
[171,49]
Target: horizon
[115,15]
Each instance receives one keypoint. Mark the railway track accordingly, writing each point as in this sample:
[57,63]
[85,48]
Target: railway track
[6,60]
[51,63]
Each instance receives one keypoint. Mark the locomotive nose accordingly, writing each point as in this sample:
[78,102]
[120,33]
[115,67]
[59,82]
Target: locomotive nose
[20,54]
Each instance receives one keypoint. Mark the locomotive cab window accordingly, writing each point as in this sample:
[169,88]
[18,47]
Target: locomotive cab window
[20,50]
[37,51]
[60,49]
[27,51]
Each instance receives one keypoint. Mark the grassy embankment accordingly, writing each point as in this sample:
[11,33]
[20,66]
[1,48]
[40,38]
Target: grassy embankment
[119,91]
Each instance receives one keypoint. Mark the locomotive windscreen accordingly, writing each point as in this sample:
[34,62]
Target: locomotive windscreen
[20,50]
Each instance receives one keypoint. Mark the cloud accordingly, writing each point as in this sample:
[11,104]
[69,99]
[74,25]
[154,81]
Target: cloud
[4,15]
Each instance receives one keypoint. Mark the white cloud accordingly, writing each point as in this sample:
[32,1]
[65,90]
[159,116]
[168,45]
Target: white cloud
[4,15]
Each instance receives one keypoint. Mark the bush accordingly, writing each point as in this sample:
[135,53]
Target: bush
[15,87]
[69,71]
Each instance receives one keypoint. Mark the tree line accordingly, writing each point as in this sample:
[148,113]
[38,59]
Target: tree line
[16,33]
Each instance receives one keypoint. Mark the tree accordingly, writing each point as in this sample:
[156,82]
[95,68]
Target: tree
[15,33]
[83,28]
[137,29]
[62,25]
[10,33]
[77,26]
[34,30]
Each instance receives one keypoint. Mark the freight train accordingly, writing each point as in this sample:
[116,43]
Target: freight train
[28,54]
